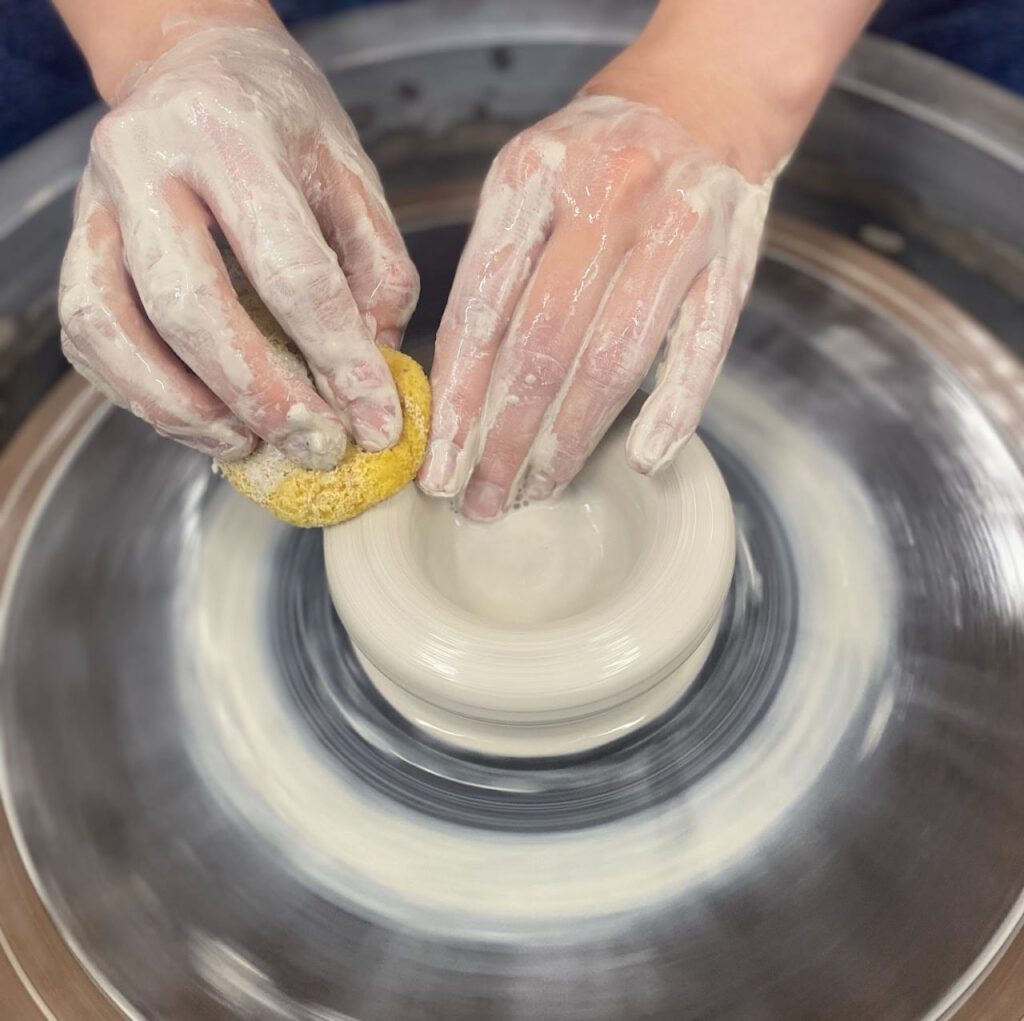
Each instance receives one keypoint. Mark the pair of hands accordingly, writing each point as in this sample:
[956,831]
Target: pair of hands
[603,231]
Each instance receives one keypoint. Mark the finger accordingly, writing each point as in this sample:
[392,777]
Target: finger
[537,357]
[187,294]
[293,269]
[696,349]
[619,351]
[108,339]
[511,228]
[359,227]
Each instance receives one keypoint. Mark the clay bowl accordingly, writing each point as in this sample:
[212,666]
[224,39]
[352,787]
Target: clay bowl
[559,628]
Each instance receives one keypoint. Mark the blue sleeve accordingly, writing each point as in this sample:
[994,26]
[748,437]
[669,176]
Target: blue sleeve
[43,79]
[984,36]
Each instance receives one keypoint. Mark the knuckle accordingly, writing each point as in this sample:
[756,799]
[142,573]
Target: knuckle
[201,100]
[301,278]
[83,315]
[401,275]
[523,158]
[361,377]
[90,372]
[679,220]
[645,164]
[573,448]
[623,175]
[70,349]
[398,285]
[473,324]
[168,301]
[516,149]
[177,307]
[708,343]
[174,413]
[637,165]
[73,303]
[110,135]
[616,369]
[538,368]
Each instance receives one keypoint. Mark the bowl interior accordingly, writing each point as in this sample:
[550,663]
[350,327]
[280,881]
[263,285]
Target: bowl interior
[543,562]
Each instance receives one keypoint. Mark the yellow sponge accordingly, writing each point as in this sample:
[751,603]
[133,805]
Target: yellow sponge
[316,499]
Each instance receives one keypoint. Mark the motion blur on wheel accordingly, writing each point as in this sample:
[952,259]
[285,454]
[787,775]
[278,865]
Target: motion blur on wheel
[511,511]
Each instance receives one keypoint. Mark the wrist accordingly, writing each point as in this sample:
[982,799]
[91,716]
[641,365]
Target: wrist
[743,78]
[119,38]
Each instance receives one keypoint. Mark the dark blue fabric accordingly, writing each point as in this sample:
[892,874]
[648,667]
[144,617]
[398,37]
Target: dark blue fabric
[984,36]
[43,79]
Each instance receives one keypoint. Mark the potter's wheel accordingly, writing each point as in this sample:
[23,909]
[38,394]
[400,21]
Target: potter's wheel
[211,813]
[226,820]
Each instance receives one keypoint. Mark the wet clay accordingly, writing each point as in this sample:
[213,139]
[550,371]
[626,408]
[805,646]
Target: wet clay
[562,626]
[249,741]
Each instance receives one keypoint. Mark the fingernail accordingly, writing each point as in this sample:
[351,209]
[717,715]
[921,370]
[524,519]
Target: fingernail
[439,468]
[483,501]
[375,427]
[389,338]
[219,439]
[539,486]
[315,449]
[224,449]
[658,449]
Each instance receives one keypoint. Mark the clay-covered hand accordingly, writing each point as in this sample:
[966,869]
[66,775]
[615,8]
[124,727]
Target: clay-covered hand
[234,131]
[603,232]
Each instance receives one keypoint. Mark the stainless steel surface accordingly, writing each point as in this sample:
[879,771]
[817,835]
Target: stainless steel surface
[871,866]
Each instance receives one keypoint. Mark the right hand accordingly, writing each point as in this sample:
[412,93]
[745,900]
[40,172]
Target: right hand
[234,128]
[603,232]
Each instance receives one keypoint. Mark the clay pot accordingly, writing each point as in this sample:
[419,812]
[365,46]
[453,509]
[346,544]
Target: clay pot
[561,627]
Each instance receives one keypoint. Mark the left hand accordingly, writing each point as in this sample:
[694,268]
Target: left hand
[603,231]
[232,129]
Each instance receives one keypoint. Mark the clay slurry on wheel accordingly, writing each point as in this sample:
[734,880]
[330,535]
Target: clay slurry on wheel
[389,753]
[212,844]
[549,880]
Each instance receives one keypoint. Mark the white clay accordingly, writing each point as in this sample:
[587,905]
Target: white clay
[386,860]
[555,629]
